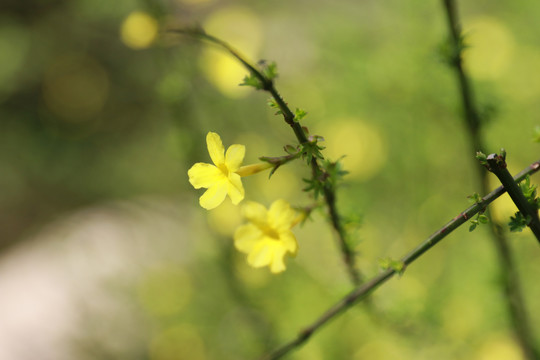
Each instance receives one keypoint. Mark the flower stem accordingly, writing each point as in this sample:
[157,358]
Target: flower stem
[371,285]
[289,117]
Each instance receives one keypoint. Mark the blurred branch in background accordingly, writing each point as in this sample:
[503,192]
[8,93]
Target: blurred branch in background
[474,126]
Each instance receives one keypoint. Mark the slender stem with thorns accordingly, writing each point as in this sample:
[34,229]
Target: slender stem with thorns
[371,285]
[329,190]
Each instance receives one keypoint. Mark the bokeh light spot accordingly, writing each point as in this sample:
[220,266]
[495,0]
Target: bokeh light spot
[75,87]
[522,84]
[379,349]
[499,348]
[256,146]
[490,46]
[180,342]
[165,291]
[139,30]
[363,145]
[225,218]
[467,322]
[283,183]
[241,29]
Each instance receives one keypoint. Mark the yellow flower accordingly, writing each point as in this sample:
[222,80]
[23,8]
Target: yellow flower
[221,178]
[268,236]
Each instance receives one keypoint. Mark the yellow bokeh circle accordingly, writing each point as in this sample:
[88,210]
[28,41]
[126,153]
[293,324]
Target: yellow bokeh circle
[242,29]
[499,347]
[490,47]
[75,87]
[225,218]
[363,145]
[178,342]
[164,291]
[139,30]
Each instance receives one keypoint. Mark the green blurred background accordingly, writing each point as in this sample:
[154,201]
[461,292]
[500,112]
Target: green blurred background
[104,251]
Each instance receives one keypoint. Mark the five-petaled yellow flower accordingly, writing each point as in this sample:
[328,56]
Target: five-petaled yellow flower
[221,179]
[267,238]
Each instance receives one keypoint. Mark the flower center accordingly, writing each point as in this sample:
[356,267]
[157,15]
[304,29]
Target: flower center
[268,231]
[224,169]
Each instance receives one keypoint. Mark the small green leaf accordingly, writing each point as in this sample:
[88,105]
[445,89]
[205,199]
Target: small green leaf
[480,156]
[475,198]
[274,105]
[270,71]
[299,114]
[483,219]
[389,263]
[529,191]
[289,149]
[518,222]
[251,80]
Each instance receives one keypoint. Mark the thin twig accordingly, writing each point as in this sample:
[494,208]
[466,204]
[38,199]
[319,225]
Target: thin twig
[363,291]
[289,117]
[497,165]
[508,272]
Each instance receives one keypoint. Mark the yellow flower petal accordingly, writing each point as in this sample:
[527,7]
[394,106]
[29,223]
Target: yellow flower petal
[289,242]
[277,265]
[265,244]
[234,157]
[214,196]
[280,215]
[215,148]
[203,175]
[235,189]
[261,255]
[255,213]
[246,237]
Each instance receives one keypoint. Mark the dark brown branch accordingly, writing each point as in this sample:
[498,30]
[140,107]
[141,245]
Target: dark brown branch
[497,165]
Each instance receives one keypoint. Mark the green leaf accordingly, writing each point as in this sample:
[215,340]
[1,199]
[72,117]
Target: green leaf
[310,150]
[529,191]
[270,71]
[274,105]
[478,220]
[475,198]
[290,149]
[518,222]
[483,219]
[299,114]
[253,81]
[389,263]
[315,186]
[480,156]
